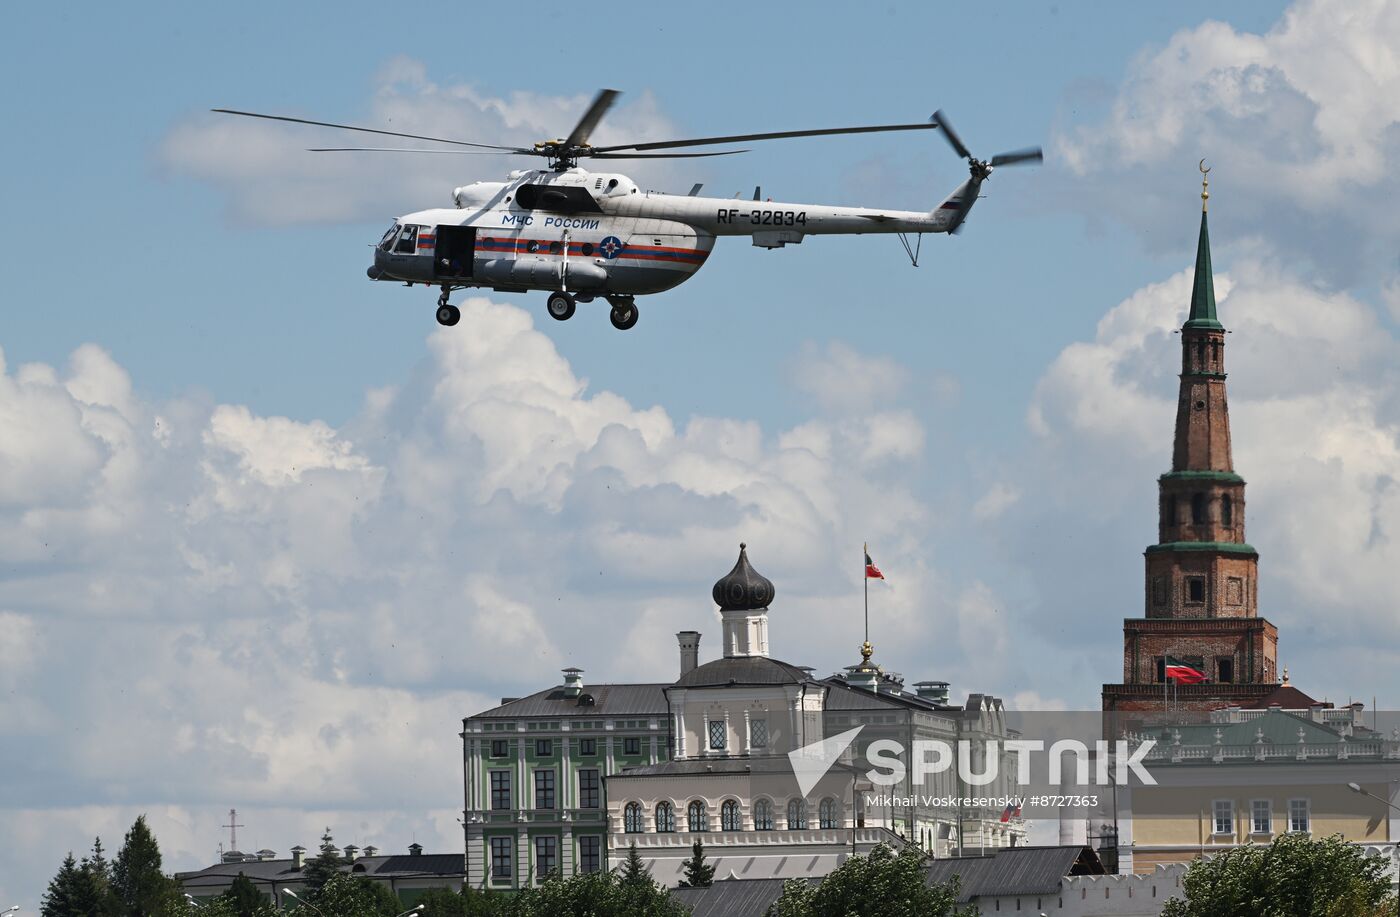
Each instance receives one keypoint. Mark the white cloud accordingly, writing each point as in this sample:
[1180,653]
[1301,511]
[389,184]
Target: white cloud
[269,176]
[293,615]
[844,380]
[1301,124]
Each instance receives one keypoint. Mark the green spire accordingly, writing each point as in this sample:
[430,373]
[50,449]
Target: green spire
[1203,289]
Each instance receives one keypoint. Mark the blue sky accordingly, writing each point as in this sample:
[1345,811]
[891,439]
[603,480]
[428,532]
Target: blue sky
[264,514]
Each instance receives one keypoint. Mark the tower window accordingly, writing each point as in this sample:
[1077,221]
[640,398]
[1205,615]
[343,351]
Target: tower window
[1169,509]
[1227,510]
[1195,589]
[1159,590]
[1225,670]
[1198,509]
[1215,354]
[1200,354]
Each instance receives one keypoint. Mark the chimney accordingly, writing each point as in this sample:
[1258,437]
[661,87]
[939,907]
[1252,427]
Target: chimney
[689,641]
[573,682]
[415,850]
[933,691]
[298,857]
[370,850]
[350,852]
[264,855]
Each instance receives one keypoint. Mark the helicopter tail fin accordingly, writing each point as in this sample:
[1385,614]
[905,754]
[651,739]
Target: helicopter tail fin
[956,206]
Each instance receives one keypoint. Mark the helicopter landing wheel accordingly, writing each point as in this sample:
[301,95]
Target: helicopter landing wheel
[561,306]
[623,315]
[448,314]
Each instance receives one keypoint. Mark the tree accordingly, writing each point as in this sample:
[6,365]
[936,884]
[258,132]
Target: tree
[443,902]
[140,886]
[633,872]
[99,870]
[324,865]
[698,874]
[65,894]
[883,882]
[347,896]
[595,894]
[243,898]
[1295,876]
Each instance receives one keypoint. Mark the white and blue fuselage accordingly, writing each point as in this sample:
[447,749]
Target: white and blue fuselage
[599,234]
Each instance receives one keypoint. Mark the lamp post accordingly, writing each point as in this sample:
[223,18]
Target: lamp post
[1357,788]
[193,903]
[293,895]
[9,910]
[412,910]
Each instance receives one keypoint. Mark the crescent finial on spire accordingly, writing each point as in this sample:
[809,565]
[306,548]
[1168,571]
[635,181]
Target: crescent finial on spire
[1205,183]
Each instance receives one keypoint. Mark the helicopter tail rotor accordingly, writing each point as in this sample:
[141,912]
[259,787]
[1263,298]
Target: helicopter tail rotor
[962,200]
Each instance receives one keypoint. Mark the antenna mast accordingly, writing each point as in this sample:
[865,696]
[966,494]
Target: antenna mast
[233,827]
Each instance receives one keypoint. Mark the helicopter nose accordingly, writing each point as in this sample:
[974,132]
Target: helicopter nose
[376,270]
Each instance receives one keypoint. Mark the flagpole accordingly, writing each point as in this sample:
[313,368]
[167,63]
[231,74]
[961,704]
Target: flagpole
[865,579]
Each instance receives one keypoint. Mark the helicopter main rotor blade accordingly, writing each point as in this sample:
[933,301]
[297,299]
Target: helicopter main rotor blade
[371,130]
[771,135]
[940,121]
[1032,154]
[400,149]
[660,155]
[584,129]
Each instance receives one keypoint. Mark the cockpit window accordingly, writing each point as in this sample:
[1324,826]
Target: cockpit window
[388,239]
[407,239]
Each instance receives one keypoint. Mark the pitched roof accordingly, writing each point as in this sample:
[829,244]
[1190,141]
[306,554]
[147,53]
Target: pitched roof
[731,897]
[743,670]
[1287,697]
[1203,289]
[1015,870]
[398,866]
[610,700]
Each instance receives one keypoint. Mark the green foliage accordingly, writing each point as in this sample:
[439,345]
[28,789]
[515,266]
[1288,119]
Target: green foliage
[698,873]
[349,896]
[325,865]
[224,906]
[1295,876]
[140,886]
[633,873]
[597,894]
[443,902]
[243,899]
[882,883]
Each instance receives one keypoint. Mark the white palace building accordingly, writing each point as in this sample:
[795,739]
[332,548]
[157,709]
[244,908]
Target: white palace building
[568,778]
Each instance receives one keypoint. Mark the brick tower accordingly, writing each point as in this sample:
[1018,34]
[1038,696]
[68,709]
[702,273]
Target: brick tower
[1201,592]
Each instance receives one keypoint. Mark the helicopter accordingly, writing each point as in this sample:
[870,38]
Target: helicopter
[581,235]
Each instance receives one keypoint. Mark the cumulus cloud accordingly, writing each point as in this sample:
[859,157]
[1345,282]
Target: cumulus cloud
[844,380]
[270,178]
[1301,124]
[205,606]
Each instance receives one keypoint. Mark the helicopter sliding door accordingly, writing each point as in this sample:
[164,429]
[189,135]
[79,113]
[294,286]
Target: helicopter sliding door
[456,251]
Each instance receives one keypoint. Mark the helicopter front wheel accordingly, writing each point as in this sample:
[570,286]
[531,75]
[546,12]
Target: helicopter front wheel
[623,314]
[561,306]
[448,314]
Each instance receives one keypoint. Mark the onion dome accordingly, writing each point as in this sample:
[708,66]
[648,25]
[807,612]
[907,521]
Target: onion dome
[743,588]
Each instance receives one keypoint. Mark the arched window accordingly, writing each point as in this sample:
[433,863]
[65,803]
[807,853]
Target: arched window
[1169,510]
[695,817]
[797,815]
[729,816]
[632,818]
[1200,355]
[1227,510]
[763,815]
[665,818]
[1198,509]
[826,813]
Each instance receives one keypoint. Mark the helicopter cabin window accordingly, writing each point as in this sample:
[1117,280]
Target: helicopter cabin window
[389,237]
[407,240]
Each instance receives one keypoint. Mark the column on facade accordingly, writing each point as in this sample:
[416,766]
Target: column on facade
[653,748]
[748,733]
[566,852]
[521,871]
[680,734]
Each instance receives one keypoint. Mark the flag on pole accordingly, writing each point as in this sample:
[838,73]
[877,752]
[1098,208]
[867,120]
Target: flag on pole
[1012,810]
[871,571]
[1183,673]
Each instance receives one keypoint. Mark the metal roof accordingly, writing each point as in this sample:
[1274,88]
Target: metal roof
[607,700]
[1015,870]
[731,897]
[1010,871]
[743,670]
[398,866]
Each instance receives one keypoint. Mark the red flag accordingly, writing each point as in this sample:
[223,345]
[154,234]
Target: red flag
[1182,673]
[1012,810]
[871,571]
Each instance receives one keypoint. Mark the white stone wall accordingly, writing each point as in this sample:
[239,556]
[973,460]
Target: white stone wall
[1095,896]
